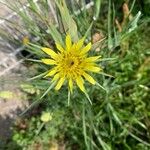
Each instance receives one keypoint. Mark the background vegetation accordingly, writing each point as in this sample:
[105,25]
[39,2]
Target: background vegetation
[119,117]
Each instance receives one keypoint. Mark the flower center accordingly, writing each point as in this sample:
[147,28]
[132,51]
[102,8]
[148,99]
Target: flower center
[71,63]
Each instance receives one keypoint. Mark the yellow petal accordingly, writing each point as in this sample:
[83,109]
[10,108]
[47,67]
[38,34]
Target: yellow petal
[73,48]
[68,42]
[60,83]
[93,68]
[50,52]
[92,59]
[89,78]
[56,77]
[49,61]
[80,82]
[59,47]
[71,85]
[51,72]
[79,44]
[86,49]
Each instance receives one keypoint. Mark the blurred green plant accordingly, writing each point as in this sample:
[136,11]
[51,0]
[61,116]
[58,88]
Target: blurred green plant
[6,94]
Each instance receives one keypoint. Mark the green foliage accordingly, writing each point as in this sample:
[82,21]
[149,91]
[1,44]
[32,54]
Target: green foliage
[28,88]
[32,130]
[6,94]
[119,115]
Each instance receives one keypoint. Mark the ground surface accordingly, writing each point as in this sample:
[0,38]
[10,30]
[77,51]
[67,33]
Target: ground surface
[10,76]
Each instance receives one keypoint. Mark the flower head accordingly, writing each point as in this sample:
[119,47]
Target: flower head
[71,63]
[46,117]
[26,40]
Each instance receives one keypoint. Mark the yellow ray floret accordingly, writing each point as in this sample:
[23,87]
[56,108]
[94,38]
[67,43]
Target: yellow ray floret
[71,64]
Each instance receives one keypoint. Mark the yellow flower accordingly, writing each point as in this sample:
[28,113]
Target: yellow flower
[46,117]
[25,40]
[71,64]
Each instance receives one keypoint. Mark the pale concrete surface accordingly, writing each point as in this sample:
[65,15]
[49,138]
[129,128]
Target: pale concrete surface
[4,10]
[11,107]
